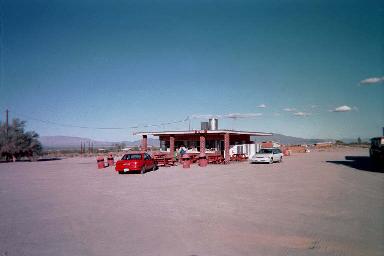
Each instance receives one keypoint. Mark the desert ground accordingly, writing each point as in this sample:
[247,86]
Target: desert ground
[318,203]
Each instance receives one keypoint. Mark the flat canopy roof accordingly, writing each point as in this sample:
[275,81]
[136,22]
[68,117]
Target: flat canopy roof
[162,133]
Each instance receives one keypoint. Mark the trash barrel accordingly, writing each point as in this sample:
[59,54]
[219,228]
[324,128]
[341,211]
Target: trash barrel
[203,161]
[186,161]
[100,162]
[110,160]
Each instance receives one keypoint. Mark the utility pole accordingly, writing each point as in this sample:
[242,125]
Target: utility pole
[6,130]
[6,121]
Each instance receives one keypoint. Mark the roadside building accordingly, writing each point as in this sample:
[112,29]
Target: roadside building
[270,144]
[321,145]
[205,141]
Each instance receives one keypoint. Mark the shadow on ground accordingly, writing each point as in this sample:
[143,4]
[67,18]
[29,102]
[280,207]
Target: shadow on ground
[49,159]
[138,172]
[38,160]
[362,163]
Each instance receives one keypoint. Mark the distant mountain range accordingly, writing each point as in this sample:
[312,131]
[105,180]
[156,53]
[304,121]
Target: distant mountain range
[67,142]
[287,140]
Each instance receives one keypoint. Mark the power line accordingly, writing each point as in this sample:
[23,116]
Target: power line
[6,120]
[99,128]
[2,36]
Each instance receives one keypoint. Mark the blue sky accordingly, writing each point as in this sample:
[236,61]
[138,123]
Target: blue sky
[131,63]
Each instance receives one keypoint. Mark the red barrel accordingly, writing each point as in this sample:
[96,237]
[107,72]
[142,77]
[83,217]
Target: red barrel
[186,161]
[110,160]
[286,152]
[100,162]
[203,161]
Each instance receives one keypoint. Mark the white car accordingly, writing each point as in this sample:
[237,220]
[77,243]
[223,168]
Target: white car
[267,155]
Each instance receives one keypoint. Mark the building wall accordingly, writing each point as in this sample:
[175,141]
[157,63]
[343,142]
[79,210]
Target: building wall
[212,141]
[270,144]
[248,149]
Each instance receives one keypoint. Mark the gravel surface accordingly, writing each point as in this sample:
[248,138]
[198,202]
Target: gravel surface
[318,203]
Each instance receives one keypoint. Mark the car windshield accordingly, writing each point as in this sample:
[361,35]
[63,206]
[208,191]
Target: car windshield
[265,151]
[132,157]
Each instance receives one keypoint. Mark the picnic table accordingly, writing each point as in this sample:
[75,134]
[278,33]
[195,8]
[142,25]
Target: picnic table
[215,158]
[238,157]
[194,156]
[164,159]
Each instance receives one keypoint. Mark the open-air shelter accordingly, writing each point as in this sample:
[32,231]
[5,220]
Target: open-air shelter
[202,140]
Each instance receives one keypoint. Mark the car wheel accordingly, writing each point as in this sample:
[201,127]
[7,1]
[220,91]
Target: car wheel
[142,171]
[281,159]
[154,168]
[271,161]
[121,172]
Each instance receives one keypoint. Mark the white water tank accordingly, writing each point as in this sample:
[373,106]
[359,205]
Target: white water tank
[213,124]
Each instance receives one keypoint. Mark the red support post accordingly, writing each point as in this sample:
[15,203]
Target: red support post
[226,148]
[203,162]
[202,144]
[144,143]
[171,145]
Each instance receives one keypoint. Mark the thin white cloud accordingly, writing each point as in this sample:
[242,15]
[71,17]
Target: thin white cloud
[230,115]
[261,106]
[204,116]
[289,109]
[242,115]
[372,80]
[342,109]
[301,114]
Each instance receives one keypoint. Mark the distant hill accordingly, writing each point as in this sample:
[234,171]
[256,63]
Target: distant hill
[287,140]
[350,140]
[67,142]
[151,142]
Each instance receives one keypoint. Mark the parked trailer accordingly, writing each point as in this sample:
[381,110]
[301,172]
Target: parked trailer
[376,150]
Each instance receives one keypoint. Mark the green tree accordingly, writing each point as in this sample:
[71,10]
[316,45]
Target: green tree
[119,146]
[339,142]
[135,148]
[359,140]
[16,143]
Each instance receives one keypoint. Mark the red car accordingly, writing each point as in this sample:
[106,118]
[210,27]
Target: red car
[136,162]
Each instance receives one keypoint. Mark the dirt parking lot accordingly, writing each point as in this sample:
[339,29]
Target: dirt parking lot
[319,203]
